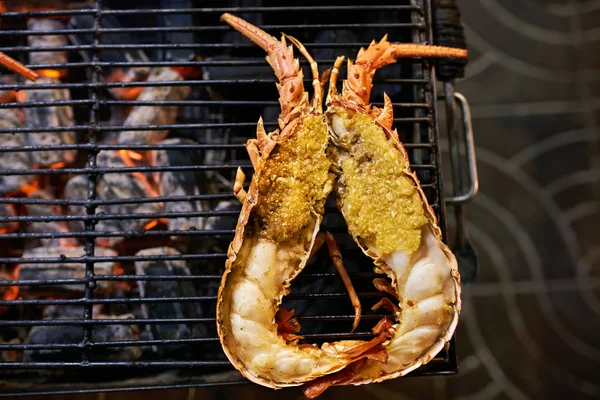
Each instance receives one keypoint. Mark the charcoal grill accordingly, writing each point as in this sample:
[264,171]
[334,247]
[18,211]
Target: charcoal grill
[117,246]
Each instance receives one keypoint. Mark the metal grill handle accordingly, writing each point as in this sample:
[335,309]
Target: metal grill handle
[465,111]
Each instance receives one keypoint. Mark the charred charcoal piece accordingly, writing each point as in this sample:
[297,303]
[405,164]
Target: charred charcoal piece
[167,289]
[7,210]
[177,183]
[73,334]
[65,311]
[47,117]
[113,333]
[224,222]
[155,115]
[61,334]
[45,271]
[13,118]
[211,181]
[76,189]
[122,186]
[39,210]
[47,57]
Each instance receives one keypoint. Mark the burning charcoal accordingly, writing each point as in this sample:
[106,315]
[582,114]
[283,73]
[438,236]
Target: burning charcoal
[73,334]
[177,183]
[7,210]
[152,115]
[224,222]
[125,76]
[12,118]
[167,289]
[44,271]
[47,57]
[122,186]
[76,189]
[47,117]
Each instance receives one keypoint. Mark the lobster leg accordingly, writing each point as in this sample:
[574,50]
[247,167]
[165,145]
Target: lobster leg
[334,252]
[252,148]
[335,72]
[238,187]
[386,118]
[318,97]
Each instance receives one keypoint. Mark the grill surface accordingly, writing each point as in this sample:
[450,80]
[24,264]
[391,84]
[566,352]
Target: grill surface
[235,87]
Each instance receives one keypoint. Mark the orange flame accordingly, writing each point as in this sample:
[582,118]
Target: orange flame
[134,155]
[12,292]
[128,156]
[123,93]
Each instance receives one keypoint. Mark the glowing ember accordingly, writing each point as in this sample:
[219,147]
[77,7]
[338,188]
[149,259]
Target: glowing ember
[155,222]
[123,285]
[53,73]
[126,93]
[128,156]
[30,188]
[150,225]
[7,96]
[188,72]
[57,165]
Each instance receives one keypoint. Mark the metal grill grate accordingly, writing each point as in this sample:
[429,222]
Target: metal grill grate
[120,299]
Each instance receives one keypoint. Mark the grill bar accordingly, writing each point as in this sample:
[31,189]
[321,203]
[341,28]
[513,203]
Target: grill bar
[154,147]
[204,29]
[138,300]
[162,277]
[222,196]
[207,82]
[170,126]
[133,234]
[89,225]
[215,10]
